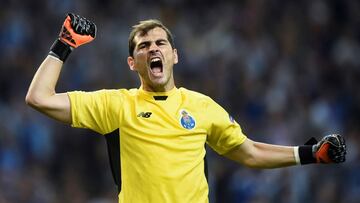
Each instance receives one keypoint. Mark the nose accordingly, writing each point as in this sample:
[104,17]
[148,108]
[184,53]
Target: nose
[153,47]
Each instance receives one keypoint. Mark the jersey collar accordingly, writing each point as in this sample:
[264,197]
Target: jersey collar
[150,95]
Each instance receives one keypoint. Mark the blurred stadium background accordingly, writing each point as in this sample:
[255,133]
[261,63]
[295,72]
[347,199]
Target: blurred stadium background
[285,70]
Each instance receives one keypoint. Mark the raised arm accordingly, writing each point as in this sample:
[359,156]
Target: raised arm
[41,95]
[331,149]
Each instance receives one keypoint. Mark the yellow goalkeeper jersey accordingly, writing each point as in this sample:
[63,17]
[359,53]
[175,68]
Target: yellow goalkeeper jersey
[161,137]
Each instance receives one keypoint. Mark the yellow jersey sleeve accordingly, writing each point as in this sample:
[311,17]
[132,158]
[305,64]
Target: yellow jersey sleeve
[224,132]
[98,110]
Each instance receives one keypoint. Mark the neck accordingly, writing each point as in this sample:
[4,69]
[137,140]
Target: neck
[159,88]
[169,85]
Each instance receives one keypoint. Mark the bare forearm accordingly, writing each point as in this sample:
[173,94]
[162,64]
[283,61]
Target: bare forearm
[272,156]
[44,82]
[42,95]
[261,155]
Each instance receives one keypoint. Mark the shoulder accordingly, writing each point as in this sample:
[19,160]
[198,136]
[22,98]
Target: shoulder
[200,99]
[192,93]
[195,96]
[101,94]
[117,92]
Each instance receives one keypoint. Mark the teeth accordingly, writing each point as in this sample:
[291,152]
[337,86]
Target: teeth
[155,59]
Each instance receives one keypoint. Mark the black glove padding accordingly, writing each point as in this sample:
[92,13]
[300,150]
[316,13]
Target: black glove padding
[82,25]
[330,149]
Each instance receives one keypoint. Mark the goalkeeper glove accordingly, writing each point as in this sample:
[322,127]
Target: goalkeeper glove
[330,149]
[75,31]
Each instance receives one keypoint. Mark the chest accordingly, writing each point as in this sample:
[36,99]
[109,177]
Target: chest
[163,127]
[172,117]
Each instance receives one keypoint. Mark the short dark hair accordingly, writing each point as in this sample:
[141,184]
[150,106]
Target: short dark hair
[143,27]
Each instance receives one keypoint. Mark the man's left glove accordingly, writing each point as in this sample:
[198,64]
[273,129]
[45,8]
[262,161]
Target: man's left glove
[330,149]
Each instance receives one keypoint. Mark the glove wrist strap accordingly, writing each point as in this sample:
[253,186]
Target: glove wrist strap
[306,154]
[60,50]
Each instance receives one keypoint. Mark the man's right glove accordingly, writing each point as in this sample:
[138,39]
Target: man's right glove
[75,31]
[330,149]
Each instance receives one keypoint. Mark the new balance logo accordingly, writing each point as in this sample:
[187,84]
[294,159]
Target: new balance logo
[144,114]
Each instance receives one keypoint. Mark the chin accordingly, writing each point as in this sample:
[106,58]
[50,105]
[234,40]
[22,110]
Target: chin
[159,84]
[159,80]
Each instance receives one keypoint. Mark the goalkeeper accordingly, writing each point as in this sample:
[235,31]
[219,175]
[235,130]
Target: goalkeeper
[161,129]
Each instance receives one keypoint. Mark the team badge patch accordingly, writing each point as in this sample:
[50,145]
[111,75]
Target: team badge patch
[186,120]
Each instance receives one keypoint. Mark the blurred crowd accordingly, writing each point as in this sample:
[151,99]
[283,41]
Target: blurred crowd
[285,70]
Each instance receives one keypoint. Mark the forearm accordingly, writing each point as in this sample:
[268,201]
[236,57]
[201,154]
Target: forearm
[272,156]
[42,95]
[261,155]
[43,85]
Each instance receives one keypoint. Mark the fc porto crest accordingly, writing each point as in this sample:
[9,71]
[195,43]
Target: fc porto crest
[186,120]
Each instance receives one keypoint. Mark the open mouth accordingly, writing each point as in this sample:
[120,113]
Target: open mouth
[156,65]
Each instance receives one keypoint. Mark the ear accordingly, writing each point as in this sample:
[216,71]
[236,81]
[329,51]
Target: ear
[176,59]
[131,63]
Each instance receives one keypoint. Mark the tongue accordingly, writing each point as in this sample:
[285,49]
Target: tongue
[156,69]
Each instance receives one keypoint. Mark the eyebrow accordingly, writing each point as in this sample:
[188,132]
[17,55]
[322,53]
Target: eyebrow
[157,41]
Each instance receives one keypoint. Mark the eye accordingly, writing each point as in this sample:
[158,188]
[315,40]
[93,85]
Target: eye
[162,42]
[141,46]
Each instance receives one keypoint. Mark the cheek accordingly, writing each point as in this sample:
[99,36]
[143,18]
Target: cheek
[140,59]
[173,58]
[171,55]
